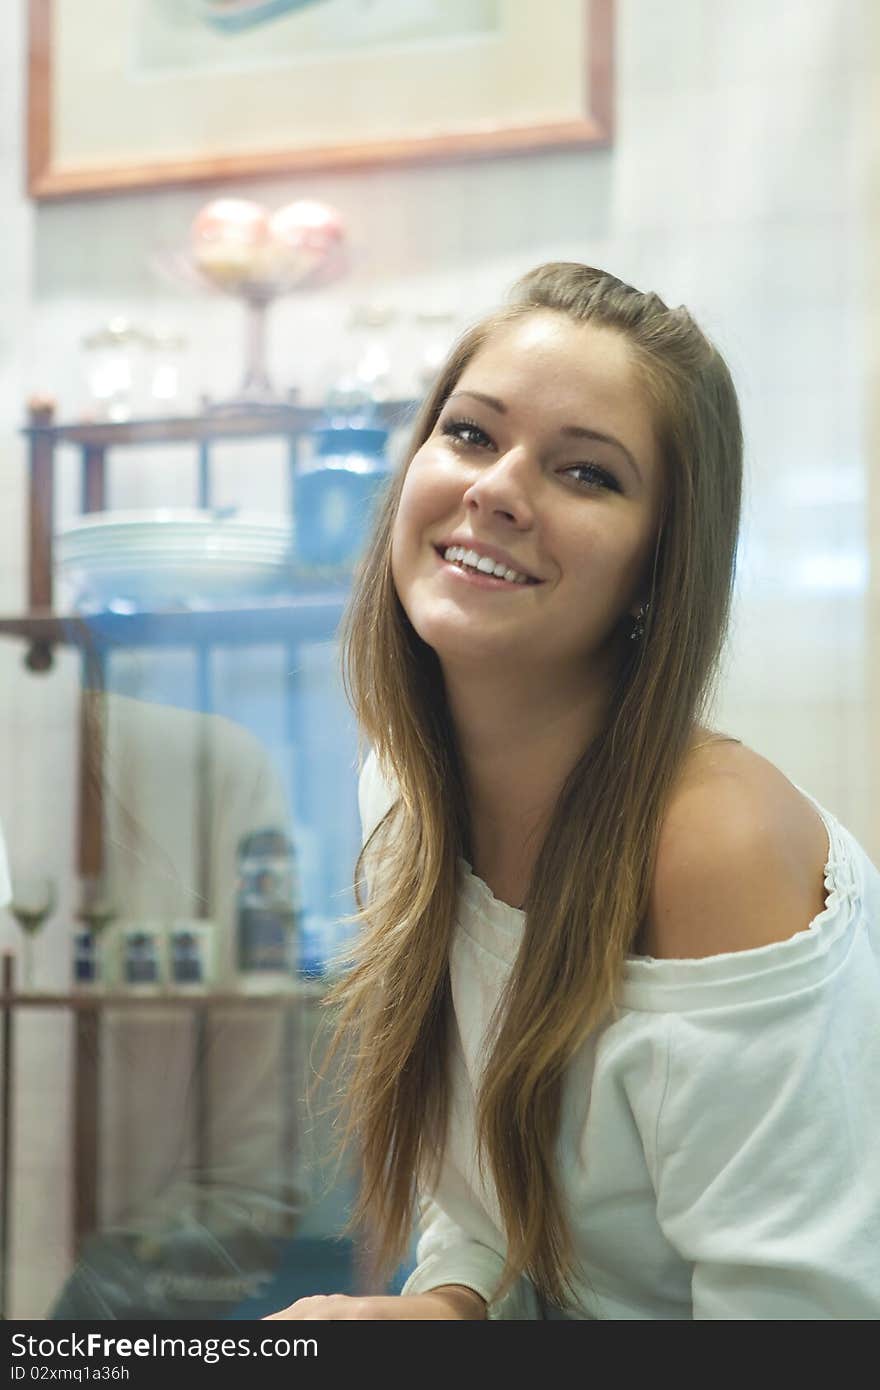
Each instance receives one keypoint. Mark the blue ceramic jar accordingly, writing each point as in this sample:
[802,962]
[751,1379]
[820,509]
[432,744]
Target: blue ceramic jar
[336,493]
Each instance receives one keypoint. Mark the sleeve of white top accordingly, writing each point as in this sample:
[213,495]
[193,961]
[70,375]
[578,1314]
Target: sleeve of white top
[374,796]
[445,1253]
[764,1153]
[5,884]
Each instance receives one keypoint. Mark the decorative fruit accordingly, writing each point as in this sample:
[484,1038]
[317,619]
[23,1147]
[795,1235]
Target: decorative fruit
[231,242]
[306,234]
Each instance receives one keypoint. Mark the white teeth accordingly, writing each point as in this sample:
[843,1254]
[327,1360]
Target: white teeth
[458,555]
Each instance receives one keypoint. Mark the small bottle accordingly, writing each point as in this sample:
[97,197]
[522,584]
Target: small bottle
[86,961]
[142,957]
[436,331]
[163,386]
[113,364]
[337,489]
[311,936]
[268,908]
[189,954]
[368,354]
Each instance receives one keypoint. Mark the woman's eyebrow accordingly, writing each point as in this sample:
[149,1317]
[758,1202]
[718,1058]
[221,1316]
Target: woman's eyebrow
[576,431]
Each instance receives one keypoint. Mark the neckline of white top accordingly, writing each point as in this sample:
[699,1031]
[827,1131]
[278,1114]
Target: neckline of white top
[654,984]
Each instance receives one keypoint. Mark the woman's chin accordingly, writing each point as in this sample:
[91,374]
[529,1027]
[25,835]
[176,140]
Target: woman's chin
[481,652]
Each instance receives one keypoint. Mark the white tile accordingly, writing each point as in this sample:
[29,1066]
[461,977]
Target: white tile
[785,651]
[802,738]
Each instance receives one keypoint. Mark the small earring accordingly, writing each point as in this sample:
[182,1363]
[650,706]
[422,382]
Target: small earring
[638,629]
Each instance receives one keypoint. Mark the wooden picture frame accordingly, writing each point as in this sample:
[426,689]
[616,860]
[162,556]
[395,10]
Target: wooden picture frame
[95,126]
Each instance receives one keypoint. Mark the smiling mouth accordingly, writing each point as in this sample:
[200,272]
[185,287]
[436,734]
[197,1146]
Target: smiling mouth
[493,580]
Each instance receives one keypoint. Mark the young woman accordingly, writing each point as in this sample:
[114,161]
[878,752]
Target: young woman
[613,1016]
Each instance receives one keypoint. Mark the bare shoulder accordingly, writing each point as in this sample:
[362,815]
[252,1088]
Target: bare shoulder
[740,860]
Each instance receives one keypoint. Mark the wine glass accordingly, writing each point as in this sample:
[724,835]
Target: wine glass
[96,908]
[96,911]
[34,898]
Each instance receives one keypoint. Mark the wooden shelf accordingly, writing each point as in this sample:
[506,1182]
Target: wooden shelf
[235,422]
[302,617]
[310,612]
[300,991]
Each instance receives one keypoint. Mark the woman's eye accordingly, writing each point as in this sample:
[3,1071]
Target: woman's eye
[595,475]
[463,431]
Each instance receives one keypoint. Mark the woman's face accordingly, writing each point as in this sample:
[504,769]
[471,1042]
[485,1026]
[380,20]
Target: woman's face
[544,456]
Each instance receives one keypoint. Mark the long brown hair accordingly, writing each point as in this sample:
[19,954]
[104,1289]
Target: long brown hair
[591,882]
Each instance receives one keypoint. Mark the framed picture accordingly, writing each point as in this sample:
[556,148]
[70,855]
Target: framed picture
[126,94]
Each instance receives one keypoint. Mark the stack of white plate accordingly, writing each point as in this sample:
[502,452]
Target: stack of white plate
[173,557]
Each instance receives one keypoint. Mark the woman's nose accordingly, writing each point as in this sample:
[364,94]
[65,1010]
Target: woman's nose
[503,485]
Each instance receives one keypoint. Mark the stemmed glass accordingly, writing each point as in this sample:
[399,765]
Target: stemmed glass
[96,911]
[34,898]
[237,247]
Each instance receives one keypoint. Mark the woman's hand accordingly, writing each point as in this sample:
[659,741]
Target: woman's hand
[456,1303]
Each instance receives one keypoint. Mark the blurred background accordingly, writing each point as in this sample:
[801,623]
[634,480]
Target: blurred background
[235,250]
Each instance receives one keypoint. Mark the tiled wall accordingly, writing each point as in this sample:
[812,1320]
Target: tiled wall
[737,184]
[869,370]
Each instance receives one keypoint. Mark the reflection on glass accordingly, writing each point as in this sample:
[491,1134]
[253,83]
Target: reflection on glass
[34,898]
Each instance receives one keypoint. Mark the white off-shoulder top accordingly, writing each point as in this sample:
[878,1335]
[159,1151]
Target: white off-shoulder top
[719,1151]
